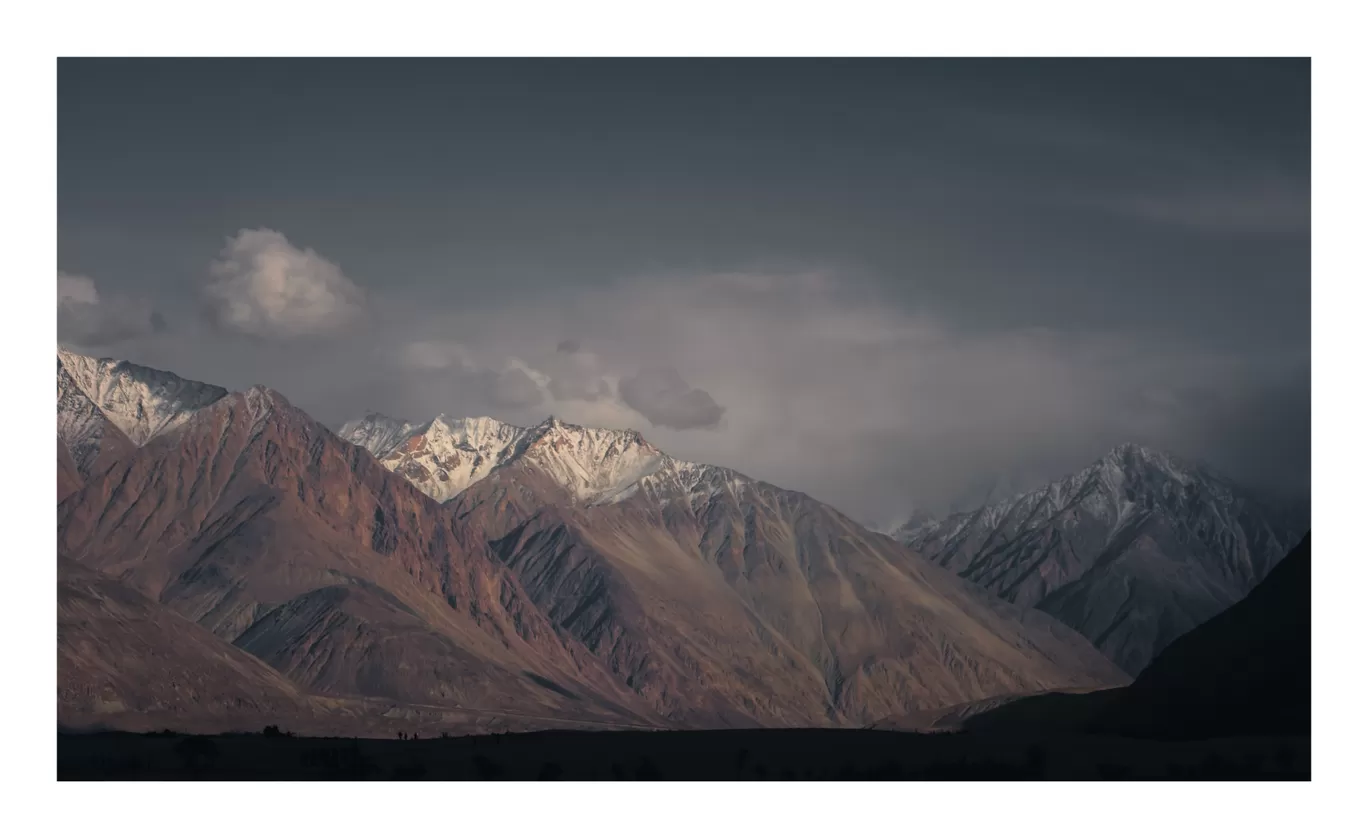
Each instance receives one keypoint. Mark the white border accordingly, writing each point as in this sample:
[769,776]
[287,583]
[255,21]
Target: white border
[39,32]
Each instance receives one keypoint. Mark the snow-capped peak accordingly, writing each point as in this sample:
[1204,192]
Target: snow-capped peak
[1125,482]
[377,433]
[441,457]
[445,456]
[140,401]
[593,463]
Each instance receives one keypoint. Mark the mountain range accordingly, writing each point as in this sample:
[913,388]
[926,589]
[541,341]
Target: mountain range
[1133,551]
[471,574]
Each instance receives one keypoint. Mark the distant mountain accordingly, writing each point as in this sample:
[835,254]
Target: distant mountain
[1133,551]
[1244,672]
[445,456]
[581,577]
[700,584]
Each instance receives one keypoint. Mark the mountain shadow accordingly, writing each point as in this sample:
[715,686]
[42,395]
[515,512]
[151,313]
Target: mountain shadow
[1245,672]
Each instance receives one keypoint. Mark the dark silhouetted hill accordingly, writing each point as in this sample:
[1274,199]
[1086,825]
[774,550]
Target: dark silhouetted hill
[1245,672]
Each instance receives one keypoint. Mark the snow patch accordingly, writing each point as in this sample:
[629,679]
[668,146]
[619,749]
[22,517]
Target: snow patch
[595,465]
[140,401]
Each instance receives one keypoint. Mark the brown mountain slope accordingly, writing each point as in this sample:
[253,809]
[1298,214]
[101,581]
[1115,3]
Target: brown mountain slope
[69,477]
[118,653]
[711,593]
[260,525]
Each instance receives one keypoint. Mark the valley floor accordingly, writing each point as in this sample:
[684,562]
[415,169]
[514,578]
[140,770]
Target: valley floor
[677,755]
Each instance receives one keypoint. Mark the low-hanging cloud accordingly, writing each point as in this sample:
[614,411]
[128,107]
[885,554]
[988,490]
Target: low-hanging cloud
[513,389]
[663,396]
[831,388]
[454,378]
[574,374]
[88,319]
[264,286]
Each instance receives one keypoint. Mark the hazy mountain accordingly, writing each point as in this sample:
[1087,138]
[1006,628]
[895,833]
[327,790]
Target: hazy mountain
[1133,551]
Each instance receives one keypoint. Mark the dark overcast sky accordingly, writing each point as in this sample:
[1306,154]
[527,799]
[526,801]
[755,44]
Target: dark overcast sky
[881,282]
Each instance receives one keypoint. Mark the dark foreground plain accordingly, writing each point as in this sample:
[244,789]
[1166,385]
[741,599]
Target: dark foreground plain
[678,755]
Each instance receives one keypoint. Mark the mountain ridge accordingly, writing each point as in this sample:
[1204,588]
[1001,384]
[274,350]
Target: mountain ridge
[656,592]
[1132,551]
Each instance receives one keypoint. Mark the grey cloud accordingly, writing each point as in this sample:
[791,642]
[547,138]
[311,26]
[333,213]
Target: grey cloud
[458,379]
[575,375]
[264,286]
[663,396]
[513,389]
[1258,207]
[435,355]
[832,389]
[87,318]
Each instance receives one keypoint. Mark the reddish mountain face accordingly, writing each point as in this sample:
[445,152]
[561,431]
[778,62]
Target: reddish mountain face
[585,579]
[119,654]
[739,597]
[261,526]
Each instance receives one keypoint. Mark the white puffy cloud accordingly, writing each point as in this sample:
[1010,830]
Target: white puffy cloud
[266,287]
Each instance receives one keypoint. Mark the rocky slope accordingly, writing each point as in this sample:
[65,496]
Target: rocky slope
[1132,552]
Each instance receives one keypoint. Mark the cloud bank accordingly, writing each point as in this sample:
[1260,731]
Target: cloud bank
[88,319]
[816,381]
[829,388]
